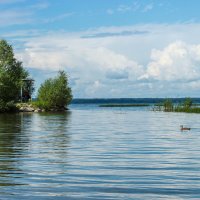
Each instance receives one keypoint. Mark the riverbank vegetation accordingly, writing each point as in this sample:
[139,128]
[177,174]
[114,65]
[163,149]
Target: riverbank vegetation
[186,106]
[11,75]
[54,93]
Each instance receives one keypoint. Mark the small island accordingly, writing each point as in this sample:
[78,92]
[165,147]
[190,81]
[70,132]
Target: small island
[16,87]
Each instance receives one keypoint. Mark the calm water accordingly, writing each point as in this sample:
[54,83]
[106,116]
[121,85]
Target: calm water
[93,153]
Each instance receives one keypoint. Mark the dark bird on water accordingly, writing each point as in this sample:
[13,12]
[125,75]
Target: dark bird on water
[184,128]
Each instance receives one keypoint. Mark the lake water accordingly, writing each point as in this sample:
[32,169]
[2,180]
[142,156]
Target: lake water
[99,153]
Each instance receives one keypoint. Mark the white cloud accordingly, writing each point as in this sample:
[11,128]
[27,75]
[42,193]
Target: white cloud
[40,6]
[148,7]
[110,11]
[93,88]
[11,1]
[16,15]
[86,56]
[124,8]
[133,7]
[133,65]
[177,61]
[58,18]
[12,17]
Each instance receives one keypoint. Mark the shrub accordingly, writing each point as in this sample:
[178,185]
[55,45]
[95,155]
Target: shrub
[187,103]
[55,92]
[168,105]
[7,106]
[41,104]
[11,74]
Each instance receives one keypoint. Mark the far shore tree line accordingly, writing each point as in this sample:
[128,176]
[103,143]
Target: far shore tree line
[53,93]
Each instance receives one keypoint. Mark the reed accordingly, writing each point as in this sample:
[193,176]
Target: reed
[187,110]
[186,106]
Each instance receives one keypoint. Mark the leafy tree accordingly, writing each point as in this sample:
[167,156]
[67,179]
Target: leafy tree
[168,105]
[11,73]
[55,92]
[187,103]
[27,89]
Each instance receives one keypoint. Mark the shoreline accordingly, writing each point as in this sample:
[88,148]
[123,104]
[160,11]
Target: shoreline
[30,108]
[124,105]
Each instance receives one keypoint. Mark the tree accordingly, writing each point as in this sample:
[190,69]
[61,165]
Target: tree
[55,92]
[27,89]
[11,74]
[187,103]
[168,105]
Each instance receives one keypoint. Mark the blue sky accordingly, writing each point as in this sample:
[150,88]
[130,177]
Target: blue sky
[109,48]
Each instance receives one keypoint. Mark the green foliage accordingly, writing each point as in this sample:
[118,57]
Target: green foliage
[7,106]
[27,89]
[41,104]
[11,74]
[187,103]
[187,110]
[186,106]
[55,92]
[168,105]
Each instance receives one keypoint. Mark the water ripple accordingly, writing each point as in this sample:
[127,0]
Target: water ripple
[99,154]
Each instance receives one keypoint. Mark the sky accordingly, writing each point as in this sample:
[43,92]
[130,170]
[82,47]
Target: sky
[109,48]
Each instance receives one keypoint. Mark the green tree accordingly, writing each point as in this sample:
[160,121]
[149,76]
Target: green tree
[168,105]
[187,103]
[11,74]
[55,92]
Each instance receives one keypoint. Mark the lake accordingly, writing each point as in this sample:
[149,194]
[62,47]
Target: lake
[99,153]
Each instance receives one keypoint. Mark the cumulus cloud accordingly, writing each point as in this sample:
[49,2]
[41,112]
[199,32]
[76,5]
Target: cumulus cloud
[69,51]
[117,74]
[177,61]
[136,65]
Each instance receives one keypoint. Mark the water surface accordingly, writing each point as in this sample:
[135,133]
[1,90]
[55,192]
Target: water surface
[99,153]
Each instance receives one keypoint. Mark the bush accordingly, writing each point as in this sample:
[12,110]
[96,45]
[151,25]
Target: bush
[168,105]
[187,103]
[41,104]
[7,106]
[11,74]
[55,92]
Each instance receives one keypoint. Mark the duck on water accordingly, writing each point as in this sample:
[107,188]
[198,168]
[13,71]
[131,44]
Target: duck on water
[184,128]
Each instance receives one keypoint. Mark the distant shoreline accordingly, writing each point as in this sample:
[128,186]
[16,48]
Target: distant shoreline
[128,100]
[124,105]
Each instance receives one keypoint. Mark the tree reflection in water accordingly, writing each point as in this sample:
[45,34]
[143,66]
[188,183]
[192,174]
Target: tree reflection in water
[32,143]
[11,147]
[50,142]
